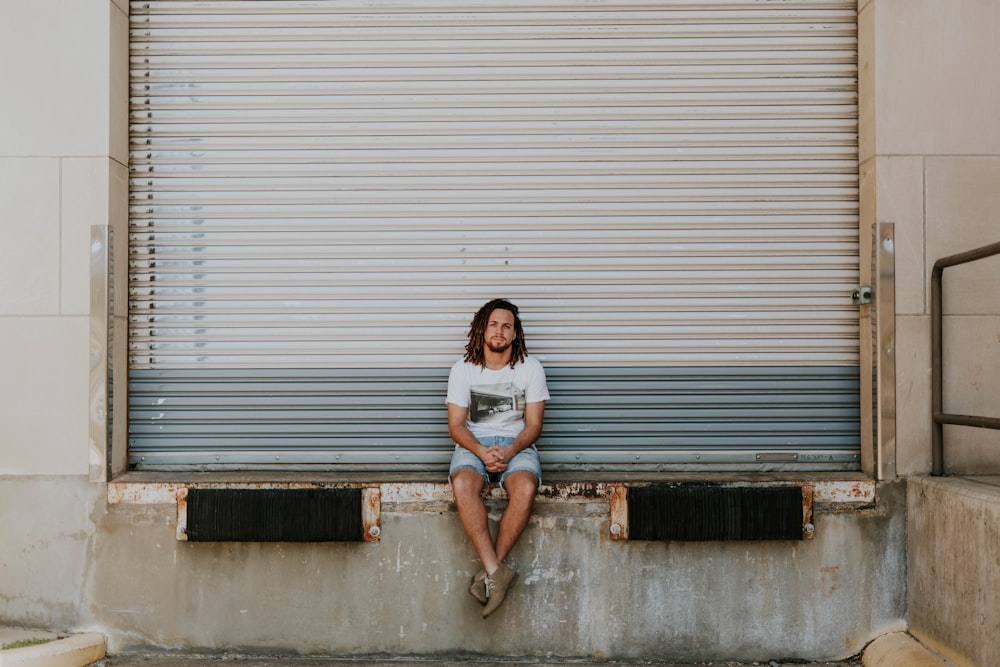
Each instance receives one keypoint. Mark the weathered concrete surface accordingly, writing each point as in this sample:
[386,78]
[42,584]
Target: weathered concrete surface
[71,560]
[74,650]
[954,546]
[146,660]
[898,649]
[47,531]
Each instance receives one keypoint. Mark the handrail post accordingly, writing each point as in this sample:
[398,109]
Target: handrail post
[937,383]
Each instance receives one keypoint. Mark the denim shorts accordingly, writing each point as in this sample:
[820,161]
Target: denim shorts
[526,459]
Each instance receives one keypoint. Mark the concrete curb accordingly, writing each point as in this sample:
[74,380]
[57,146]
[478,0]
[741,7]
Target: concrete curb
[898,649]
[73,651]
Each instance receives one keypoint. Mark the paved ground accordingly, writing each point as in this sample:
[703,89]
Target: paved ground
[78,650]
[160,660]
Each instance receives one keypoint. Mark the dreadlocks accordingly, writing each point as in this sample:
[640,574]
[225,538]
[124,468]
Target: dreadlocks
[477,333]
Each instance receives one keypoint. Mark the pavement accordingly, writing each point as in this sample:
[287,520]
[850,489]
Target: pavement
[84,649]
[60,649]
[330,662]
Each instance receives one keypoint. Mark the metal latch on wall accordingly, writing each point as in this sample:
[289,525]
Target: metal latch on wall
[861,296]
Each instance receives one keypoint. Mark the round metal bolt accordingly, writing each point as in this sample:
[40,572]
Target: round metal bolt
[374,531]
[809,529]
[616,529]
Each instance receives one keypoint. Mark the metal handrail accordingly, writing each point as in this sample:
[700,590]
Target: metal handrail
[939,417]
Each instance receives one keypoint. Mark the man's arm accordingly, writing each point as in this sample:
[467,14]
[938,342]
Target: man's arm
[461,434]
[534,415]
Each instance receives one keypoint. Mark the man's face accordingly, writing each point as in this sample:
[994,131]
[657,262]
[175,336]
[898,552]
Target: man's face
[500,330]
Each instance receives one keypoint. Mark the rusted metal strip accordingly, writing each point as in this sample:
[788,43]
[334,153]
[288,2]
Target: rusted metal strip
[856,492]
[808,528]
[182,495]
[618,499]
[371,513]
[833,491]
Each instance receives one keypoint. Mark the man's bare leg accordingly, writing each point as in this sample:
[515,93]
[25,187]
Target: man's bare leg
[468,488]
[521,489]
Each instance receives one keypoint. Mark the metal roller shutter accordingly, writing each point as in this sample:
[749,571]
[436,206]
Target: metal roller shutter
[323,192]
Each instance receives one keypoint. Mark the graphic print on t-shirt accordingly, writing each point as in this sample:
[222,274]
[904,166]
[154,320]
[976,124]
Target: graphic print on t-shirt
[496,404]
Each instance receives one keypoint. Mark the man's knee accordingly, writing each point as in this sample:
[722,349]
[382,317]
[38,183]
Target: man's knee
[467,482]
[521,485]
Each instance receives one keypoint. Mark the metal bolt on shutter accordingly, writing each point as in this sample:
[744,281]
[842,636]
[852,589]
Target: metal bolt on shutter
[323,192]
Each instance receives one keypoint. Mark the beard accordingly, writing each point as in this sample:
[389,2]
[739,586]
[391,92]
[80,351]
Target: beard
[498,349]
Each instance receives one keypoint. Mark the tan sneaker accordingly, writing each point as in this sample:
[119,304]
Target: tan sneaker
[497,585]
[478,587]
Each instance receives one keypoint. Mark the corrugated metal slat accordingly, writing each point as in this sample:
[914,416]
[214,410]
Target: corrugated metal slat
[757,418]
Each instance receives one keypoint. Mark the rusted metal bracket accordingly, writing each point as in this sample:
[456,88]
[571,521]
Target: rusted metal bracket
[808,527]
[371,513]
[182,513]
[618,498]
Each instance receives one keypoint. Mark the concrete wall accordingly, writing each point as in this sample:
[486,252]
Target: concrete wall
[954,555]
[930,165]
[120,569]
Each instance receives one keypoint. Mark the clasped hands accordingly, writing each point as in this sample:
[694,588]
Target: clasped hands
[495,458]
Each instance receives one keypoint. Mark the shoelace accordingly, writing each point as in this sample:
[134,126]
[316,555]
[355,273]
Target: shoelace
[489,584]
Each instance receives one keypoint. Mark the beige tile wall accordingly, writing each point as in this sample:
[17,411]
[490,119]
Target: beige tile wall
[55,56]
[29,236]
[935,69]
[43,400]
[62,156]
[963,212]
[913,395]
[900,197]
[935,129]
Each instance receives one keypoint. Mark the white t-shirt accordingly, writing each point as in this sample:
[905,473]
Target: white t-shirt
[496,399]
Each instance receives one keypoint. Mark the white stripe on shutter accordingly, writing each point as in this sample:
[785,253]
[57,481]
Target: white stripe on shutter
[341,184]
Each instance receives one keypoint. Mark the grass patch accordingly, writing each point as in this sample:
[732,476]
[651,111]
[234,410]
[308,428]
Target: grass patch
[21,643]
